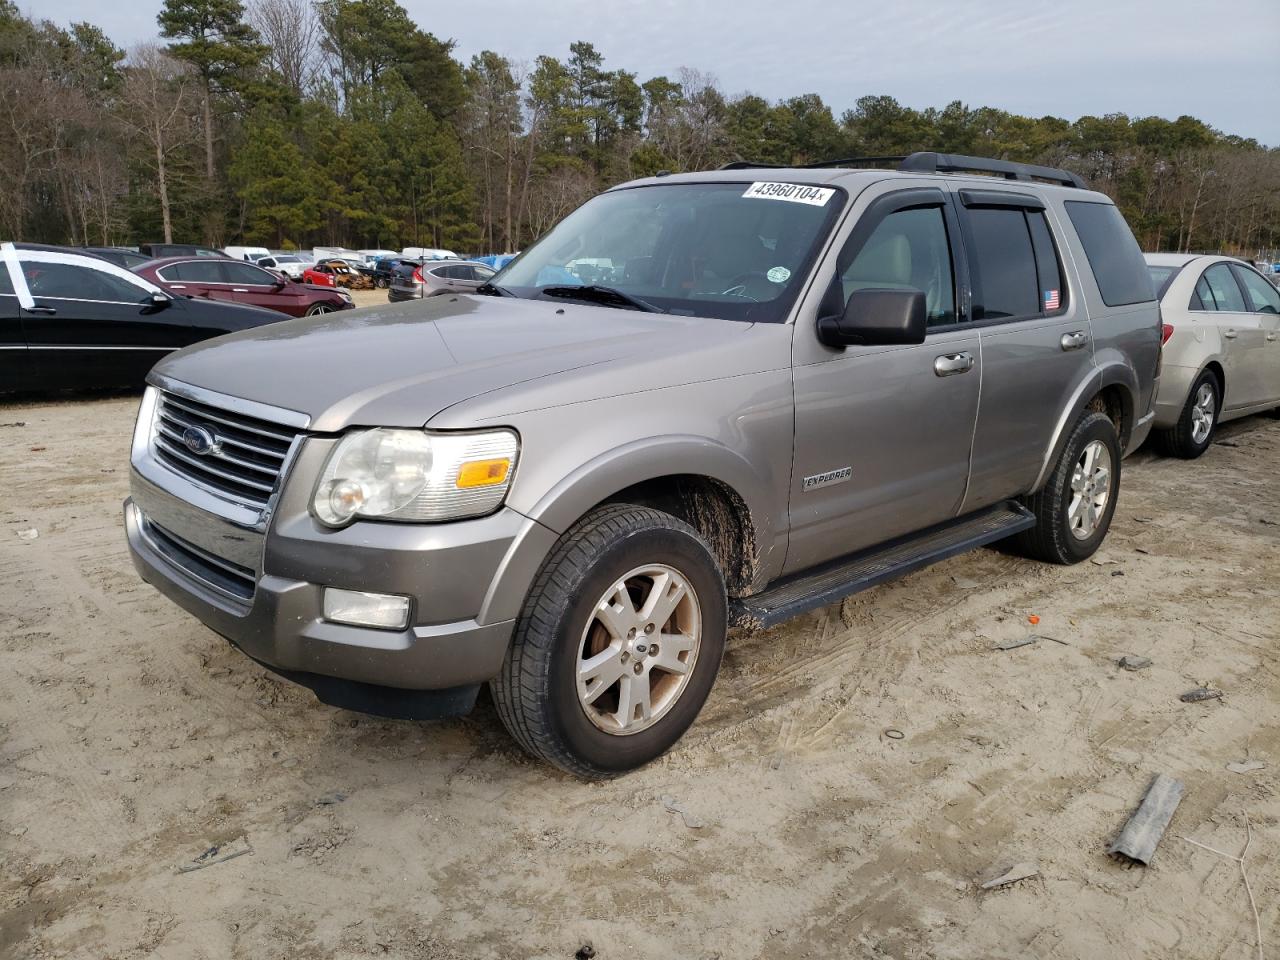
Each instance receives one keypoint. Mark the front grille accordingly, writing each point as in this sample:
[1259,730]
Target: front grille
[249,456]
[214,571]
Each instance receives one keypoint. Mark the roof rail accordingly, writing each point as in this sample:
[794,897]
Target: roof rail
[956,163]
[818,165]
[926,162]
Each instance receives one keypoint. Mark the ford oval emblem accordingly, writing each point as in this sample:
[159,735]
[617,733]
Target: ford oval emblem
[200,441]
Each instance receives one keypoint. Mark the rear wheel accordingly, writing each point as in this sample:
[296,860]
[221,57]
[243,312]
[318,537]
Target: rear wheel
[1074,508]
[1192,434]
[618,644]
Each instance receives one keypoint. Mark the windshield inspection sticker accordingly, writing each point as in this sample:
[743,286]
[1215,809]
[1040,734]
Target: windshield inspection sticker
[779,275]
[793,192]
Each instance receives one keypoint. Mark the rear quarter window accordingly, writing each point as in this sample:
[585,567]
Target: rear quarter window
[1117,264]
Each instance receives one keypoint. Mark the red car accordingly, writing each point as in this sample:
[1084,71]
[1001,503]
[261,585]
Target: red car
[217,279]
[328,273]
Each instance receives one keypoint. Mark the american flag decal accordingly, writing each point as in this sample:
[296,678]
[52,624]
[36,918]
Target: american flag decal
[1051,300]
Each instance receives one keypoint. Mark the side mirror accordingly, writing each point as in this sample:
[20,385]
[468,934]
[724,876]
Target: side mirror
[280,283]
[160,301]
[874,318]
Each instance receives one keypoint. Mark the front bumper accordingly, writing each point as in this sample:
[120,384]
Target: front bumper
[466,580]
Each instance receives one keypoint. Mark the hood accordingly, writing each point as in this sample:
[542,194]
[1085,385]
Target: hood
[400,365]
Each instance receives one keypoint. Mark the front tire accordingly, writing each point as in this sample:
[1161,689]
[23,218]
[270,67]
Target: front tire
[317,309]
[618,644]
[1074,508]
[1192,434]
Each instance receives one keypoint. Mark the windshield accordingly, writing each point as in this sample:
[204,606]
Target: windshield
[736,251]
[287,260]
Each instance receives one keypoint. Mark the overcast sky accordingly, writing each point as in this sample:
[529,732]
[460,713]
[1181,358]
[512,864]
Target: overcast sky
[1218,62]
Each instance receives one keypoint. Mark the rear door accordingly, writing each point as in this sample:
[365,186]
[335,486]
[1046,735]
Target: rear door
[882,434]
[1242,336]
[93,324]
[1264,300]
[1035,338]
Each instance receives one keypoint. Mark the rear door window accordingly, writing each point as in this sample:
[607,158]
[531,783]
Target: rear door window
[1053,296]
[1006,283]
[1262,296]
[1223,289]
[1113,253]
[194,271]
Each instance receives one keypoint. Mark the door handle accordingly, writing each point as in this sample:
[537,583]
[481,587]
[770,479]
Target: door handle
[48,311]
[1074,340]
[239,289]
[1229,333]
[948,365]
[1271,336]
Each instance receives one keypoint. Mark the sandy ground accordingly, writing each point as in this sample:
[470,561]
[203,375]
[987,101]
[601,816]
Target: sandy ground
[132,739]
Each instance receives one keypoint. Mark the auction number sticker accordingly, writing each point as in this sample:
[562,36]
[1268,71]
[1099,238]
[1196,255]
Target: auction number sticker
[791,192]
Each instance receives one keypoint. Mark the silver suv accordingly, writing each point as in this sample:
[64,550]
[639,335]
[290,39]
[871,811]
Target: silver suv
[781,386]
[411,281]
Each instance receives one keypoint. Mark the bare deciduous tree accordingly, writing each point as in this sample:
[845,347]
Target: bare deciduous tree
[160,96]
[291,31]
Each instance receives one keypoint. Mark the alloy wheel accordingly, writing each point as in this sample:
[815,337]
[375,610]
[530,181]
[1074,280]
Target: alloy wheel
[1090,490]
[1202,413]
[639,649]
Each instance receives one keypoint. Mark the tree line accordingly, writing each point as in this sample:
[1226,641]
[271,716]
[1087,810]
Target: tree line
[292,123]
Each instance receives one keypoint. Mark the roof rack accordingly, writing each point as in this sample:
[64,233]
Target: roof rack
[819,165]
[927,162]
[956,163]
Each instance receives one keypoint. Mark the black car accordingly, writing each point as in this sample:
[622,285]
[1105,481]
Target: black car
[70,319]
[384,270]
[120,256]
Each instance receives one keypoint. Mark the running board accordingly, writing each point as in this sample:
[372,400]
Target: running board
[852,574]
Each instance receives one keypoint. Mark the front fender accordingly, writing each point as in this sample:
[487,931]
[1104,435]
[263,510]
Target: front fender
[646,459]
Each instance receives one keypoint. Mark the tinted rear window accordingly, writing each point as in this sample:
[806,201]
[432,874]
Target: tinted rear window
[1114,257]
[1006,266]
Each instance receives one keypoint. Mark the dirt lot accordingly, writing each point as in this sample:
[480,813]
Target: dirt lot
[132,739]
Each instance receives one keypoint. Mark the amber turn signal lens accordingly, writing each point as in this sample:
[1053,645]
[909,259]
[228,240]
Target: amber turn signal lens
[483,473]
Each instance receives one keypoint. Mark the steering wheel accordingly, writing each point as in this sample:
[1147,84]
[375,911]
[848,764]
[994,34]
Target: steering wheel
[738,285]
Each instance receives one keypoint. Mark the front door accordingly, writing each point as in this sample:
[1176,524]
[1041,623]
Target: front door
[1264,300]
[883,434]
[256,287]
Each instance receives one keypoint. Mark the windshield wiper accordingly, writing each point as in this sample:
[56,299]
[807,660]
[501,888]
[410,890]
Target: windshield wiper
[493,290]
[608,296]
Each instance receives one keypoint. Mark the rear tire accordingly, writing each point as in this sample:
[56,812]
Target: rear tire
[1074,508]
[595,682]
[1192,434]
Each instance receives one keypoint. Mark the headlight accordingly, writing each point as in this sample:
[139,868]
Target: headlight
[344,295]
[415,476]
